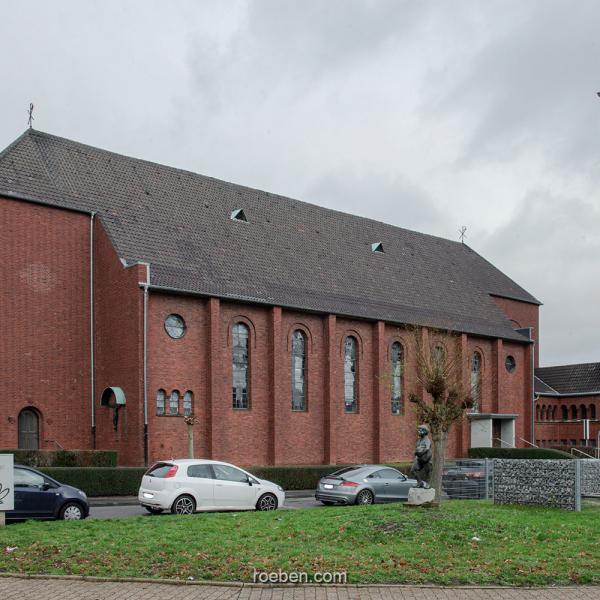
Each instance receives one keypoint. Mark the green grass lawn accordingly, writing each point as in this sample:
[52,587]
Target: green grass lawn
[391,544]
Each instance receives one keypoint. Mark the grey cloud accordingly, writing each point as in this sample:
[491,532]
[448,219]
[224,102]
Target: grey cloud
[551,245]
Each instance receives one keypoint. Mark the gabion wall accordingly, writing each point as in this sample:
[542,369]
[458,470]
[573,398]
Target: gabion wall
[537,482]
[590,477]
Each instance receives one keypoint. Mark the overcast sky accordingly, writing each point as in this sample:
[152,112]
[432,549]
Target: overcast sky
[428,115]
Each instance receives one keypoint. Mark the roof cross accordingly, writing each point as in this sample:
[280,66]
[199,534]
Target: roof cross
[30,115]
[463,234]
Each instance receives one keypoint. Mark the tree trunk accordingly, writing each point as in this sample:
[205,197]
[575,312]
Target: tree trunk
[439,458]
[190,432]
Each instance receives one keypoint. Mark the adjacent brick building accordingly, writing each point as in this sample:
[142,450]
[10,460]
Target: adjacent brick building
[567,411]
[135,293]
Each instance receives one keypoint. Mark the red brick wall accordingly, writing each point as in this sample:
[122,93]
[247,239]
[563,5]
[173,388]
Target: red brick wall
[550,431]
[522,314]
[118,313]
[44,308]
[177,364]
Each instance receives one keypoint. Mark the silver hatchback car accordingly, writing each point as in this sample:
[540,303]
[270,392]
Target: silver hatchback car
[364,484]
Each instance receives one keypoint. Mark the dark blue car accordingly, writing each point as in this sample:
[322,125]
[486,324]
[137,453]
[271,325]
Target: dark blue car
[38,496]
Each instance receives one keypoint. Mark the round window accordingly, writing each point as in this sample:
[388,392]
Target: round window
[175,326]
[510,364]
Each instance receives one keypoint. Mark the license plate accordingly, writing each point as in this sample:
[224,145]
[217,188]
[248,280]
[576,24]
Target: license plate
[328,486]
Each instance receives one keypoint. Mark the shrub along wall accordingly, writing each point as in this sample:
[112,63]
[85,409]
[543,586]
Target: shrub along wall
[125,481]
[522,453]
[64,458]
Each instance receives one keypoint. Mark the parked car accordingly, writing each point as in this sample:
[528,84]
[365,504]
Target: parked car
[38,496]
[187,486]
[364,484]
[465,479]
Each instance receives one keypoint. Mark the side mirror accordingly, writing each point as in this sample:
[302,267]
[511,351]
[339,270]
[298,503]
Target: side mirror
[46,486]
[250,481]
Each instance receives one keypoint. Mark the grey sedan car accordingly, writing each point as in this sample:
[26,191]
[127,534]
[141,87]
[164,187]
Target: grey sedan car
[364,484]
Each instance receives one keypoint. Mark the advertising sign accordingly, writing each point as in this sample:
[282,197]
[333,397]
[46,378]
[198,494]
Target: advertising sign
[7,493]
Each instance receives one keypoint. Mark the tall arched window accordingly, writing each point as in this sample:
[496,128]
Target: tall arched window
[537,412]
[350,404]
[29,430]
[187,403]
[476,380]
[565,413]
[592,414]
[160,402]
[174,403]
[397,357]
[298,370]
[241,335]
[573,412]
[583,412]
[544,412]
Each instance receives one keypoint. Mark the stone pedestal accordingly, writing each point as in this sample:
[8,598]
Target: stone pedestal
[420,496]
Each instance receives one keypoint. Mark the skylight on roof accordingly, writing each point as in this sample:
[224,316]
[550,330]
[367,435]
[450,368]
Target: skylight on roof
[377,247]
[238,215]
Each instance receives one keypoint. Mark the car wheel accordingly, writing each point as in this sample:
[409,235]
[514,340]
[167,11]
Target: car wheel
[184,505]
[327,502]
[71,511]
[365,497]
[153,511]
[266,502]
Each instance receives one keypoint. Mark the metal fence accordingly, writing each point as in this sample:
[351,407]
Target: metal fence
[468,479]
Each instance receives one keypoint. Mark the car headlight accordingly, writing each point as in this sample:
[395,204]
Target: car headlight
[148,495]
[81,493]
[280,488]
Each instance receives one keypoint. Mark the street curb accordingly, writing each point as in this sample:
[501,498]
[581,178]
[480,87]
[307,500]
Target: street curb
[240,584]
[103,501]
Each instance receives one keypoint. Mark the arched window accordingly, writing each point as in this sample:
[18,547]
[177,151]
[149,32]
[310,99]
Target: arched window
[583,412]
[544,412]
[565,413]
[160,402]
[554,413]
[350,404]
[537,412]
[298,370]
[592,414]
[29,430]
[573,412]
[438,355]
[174,403]
[241,335]
[187,403]
[476,381]
[397,356]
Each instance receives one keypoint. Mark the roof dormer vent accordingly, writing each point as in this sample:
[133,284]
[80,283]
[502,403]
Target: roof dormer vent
[238,215]
[377,247]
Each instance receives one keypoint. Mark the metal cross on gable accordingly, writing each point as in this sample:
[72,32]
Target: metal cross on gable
[463,234]
[30,115]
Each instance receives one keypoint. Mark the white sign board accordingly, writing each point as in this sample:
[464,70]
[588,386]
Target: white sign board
[7,487]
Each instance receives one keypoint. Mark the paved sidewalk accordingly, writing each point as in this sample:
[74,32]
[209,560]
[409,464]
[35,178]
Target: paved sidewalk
[14,588]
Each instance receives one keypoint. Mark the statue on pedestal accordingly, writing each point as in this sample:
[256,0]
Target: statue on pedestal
[421,467]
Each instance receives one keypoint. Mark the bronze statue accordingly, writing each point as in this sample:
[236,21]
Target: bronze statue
[421,467]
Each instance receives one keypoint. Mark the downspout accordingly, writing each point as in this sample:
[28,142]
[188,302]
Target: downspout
[533,394]
[146,285]
[92,332]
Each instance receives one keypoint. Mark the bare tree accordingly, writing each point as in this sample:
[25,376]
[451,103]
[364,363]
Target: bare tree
[441,377]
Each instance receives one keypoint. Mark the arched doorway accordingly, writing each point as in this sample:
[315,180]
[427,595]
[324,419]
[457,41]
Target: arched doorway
[29,430]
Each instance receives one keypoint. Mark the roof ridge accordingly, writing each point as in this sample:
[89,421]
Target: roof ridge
[6,151]
[585,364]
[68,141]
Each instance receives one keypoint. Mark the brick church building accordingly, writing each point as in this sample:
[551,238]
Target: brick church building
[134,294]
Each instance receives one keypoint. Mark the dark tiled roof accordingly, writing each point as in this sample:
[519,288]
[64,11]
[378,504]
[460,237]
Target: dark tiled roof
[569,379]
[542,388]
[290,253]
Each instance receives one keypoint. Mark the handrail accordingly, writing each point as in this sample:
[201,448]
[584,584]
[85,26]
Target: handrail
[58,445]
[573,450]
[529,443]
[503,442]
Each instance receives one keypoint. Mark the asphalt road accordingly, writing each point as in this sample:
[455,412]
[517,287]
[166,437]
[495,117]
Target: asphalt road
[123,511]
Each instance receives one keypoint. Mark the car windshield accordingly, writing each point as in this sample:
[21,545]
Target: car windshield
[158,470]
[345,471]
